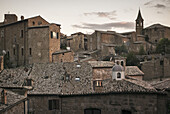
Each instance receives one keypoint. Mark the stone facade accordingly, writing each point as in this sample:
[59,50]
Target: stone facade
[105,41]
[76,42]
[63,56]
[156,68]
[28,41]
[106,103]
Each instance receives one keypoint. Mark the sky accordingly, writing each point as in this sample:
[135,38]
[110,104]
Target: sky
[89,15]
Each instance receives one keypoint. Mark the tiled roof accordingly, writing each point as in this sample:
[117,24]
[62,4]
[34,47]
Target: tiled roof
[12,98]
[52,78]
[165,84]
[133,71]
[14,77]
[66,79]
[101,63]
[127,85]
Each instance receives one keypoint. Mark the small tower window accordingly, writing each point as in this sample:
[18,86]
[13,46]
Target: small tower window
[122,63]
[30,51]
[118,75]
[14,51]
[22,51]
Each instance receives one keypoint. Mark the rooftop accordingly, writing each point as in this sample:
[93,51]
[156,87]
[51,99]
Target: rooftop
[133,71]
[12,99]
[67,79]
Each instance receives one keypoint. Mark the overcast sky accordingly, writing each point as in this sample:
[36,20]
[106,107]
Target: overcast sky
[89,15]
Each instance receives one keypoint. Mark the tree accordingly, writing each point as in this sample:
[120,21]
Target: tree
[121,49]
[163,46]
[141,51]
[132,60]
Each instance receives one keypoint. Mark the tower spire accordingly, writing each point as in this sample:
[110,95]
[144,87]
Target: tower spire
[139,23]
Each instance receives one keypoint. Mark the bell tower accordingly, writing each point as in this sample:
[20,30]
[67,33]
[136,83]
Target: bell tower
[139,24]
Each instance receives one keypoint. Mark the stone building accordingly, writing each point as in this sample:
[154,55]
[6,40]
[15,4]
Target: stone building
[147,37]
[12,103]
[77,42]
[68,88]
[28,41]
[158,67]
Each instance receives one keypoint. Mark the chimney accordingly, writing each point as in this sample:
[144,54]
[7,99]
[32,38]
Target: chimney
[10,18]
[1,63]
[4,97]
[22,17]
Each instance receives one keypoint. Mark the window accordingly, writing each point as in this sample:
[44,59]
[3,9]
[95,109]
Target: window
[122,63]
[39,22]
[117,62]
[30,51]
[33,23]
[53,104]
[118,75]
[29,82]
[92,111]
[14,51]
[161,62]
[51,34]
[22,34]
[22,51]
[98,83]
[77,79]
[2,33]
[126,112]
[57,35]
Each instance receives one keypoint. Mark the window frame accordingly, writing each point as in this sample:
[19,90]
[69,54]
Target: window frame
[53,104]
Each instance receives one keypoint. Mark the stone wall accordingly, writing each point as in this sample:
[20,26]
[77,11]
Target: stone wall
[38,44]
[63,57]
[108,103]
[40,105]
[155,69]
[77,43]
[54,43]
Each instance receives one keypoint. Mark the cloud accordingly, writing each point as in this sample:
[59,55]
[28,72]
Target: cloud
[148,3]
[158,12]
[106,26]
[160,6]
[111,15]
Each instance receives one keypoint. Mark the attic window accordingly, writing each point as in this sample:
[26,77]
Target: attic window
[118,75]
[77,79]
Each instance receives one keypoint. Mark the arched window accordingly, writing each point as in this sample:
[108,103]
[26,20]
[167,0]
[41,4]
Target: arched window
[122,63]
[118,75]
[117,62]
[92,111]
